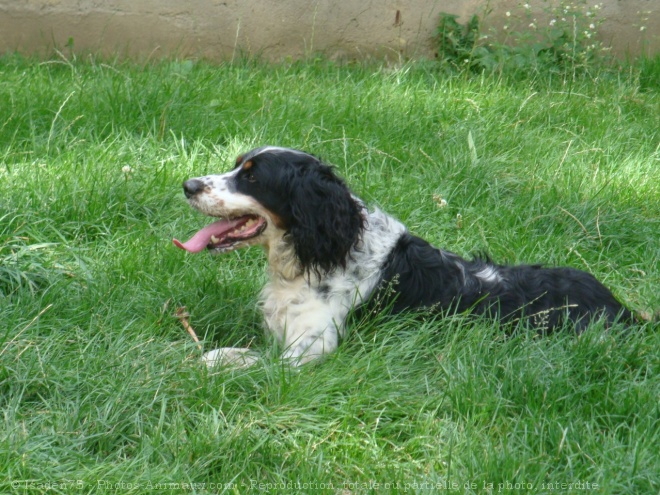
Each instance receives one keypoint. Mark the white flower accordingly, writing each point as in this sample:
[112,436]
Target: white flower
[440,201]
[127,169]
[532,25]
[553,22]
[508,14]
[592,26]
[527,6]
[642,28]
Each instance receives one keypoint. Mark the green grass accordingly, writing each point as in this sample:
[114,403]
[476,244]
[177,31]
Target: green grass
[100,387]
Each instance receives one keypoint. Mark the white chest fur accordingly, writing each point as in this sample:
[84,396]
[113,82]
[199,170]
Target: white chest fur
[306,313]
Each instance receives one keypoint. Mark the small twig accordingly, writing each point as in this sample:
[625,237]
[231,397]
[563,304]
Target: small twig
[427,156]
[600,238]
[183,315]
[584,229]
[563,158]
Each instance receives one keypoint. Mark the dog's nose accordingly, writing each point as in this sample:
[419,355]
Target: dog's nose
[192,187]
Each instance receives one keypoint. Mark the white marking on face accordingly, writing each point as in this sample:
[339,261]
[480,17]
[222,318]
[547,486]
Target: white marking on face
[220,200]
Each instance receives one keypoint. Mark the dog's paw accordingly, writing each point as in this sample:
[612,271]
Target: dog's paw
[234,357]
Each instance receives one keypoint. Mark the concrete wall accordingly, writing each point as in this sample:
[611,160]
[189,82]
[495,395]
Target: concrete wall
[276,29]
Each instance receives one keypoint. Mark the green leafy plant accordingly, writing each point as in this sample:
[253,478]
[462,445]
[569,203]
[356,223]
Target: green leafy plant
[456,42]
[560,38]
[649,73]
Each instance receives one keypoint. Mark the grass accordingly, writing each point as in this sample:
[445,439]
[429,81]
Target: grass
[101,390]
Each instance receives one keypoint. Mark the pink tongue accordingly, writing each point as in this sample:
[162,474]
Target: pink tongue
[201,239]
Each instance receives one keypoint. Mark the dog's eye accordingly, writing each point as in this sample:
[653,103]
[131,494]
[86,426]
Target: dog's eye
[249,176]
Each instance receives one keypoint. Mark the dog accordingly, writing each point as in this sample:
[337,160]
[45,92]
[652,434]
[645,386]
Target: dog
[329,254]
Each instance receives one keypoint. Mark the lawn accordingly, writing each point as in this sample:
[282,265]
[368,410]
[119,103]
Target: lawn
[102,390]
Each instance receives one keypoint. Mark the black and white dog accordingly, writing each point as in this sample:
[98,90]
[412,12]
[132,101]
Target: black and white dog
[329,254]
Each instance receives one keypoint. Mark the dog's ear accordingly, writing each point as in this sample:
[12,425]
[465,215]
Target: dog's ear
[326,220]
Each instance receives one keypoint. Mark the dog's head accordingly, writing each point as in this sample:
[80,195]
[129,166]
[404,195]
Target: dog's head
[278,195]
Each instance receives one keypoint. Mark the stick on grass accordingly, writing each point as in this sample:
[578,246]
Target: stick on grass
[183,316]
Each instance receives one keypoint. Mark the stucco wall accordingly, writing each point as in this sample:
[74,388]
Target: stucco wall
[275,29]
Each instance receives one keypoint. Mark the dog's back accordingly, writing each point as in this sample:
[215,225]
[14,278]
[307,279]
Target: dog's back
[417,274]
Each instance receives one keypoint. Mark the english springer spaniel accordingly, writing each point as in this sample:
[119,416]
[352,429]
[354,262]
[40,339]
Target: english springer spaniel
[328,254]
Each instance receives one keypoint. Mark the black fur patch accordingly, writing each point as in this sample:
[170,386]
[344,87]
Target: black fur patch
[416,274]
[315,206]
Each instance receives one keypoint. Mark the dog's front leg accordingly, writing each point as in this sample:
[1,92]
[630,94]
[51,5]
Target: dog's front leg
[307,331]
[310,345]
[233,357]
[309,340]
[306,323]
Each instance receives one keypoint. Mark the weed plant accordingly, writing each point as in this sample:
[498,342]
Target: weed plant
[540,37]
[101,390]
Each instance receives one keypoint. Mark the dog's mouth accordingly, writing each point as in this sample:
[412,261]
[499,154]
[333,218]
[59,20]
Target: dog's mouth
[224,235]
